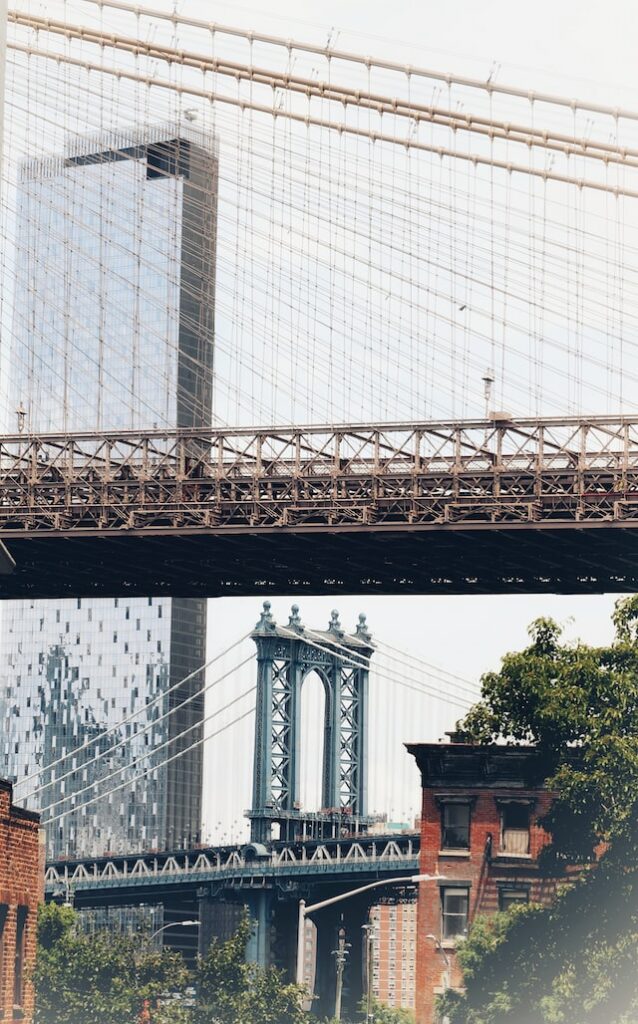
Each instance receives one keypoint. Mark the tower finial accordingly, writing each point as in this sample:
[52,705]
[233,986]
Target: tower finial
[266,622]
[295,619]
[362,630]
[335,625]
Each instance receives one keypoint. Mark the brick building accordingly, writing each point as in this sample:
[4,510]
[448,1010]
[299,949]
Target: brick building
[478,829]
[21,889]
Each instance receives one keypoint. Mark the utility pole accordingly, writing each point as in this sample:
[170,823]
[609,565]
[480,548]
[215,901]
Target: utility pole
[341,955]
[488,383]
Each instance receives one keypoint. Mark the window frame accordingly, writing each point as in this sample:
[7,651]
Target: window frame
[503,807]
[444,805]
[507,890]
[456,889]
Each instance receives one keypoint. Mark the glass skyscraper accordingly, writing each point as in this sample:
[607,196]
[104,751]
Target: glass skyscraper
[113,329]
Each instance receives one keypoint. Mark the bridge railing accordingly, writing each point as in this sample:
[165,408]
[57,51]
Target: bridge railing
[543,471]
[287,860]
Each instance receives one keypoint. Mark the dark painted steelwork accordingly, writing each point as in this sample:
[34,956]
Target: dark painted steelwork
[284,658]
[468,507]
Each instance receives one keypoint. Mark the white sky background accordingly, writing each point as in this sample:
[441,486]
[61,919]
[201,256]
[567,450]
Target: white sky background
[584,49]
[575,48]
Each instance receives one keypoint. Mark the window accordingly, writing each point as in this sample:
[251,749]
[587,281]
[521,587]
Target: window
[511,897]
[455,904]
[455,826]
[20,951]
[515,828]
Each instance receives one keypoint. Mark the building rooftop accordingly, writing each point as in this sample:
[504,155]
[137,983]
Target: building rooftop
[480,766]
[20,812]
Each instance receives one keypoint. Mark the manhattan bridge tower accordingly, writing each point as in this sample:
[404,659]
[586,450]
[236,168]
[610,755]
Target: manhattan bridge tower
[285,657]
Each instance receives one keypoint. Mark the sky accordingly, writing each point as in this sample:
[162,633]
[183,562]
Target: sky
[587,47]
[575,48]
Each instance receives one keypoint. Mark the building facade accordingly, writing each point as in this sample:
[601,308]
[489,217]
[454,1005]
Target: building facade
[480,833]
[113,329]
[21,889]
[394,953]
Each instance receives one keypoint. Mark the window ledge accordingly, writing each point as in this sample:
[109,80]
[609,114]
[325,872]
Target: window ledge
[503,855]
[464,854]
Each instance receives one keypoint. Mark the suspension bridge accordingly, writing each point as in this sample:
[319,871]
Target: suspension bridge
[293,852]
[454,224]
[475,507]
[208,231]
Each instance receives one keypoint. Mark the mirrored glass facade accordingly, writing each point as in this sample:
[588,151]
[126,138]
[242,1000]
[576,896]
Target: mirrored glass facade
[113,329]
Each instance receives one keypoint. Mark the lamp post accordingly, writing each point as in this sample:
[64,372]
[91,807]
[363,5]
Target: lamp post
[172,924]
[21,415]
[304,911]
[340,955]
[369,953]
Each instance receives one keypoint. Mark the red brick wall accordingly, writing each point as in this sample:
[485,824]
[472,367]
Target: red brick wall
[21,885]
[473,868]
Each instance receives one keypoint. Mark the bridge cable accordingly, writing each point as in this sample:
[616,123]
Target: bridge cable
[128,718]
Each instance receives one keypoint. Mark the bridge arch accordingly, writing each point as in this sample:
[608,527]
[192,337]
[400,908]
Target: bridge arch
[316,699]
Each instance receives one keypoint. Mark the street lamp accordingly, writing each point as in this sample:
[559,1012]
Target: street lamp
[304,911]
[369,946]
[172,924]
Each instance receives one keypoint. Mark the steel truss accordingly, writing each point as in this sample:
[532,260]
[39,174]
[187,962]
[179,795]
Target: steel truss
[508,473]
[379,853]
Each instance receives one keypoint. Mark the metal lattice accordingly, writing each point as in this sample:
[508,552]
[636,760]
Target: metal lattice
[285,657]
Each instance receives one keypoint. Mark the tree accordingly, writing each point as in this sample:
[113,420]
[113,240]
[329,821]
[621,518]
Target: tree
[82,979]
[383,1014]
[230,991]
[576,961]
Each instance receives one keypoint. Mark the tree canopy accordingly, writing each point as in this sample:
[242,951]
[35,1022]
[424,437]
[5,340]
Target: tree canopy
[82,979]
[576,961]
[231,991]
[106,977]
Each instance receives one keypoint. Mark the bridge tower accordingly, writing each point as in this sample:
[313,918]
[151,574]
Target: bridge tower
[285,656]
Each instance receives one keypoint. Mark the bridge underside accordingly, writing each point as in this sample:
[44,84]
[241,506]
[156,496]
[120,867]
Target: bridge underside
[575,558]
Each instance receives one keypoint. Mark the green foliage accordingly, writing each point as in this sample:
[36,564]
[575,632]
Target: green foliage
[103,978]
[383,1014]
[579,705]
[575,962]
[231,991]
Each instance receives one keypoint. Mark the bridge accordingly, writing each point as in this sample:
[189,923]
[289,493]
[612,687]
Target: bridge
[319,853]
[499,505]
[382,251]
[203,883]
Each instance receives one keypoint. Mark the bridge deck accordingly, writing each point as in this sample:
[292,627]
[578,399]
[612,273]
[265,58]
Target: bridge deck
[423,508]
